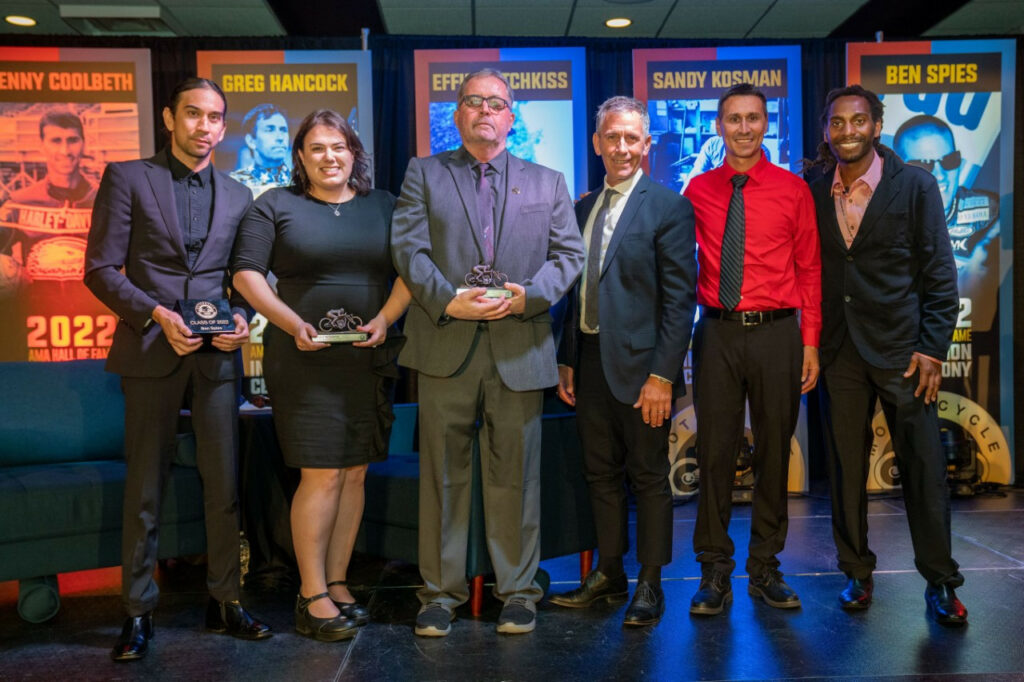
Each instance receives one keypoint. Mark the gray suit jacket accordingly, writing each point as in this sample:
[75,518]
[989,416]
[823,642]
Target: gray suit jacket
[135,226]
[435,240]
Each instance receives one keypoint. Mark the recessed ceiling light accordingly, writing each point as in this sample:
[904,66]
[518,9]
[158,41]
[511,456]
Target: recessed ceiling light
[618,22]
[19,20]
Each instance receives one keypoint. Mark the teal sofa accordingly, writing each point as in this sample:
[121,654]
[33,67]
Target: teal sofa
[62,480]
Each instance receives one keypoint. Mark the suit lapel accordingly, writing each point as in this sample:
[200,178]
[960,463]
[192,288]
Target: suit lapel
[884,194]
[462,174]
[159,176]
[629,211]
[513,200]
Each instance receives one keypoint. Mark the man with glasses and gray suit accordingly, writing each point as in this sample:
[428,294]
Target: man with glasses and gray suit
[487,243]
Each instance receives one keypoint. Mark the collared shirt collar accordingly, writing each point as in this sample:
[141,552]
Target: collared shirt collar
[180,171]
[755,173]
[625,188]
[871,177]
[498,164]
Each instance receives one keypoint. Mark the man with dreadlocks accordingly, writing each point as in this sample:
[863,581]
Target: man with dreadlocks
[889,303]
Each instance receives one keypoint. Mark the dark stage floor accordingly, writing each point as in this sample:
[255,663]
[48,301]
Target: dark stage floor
[892,641]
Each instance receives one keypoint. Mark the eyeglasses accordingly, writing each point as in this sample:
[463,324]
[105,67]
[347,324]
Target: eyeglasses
[950,161]
[494,103]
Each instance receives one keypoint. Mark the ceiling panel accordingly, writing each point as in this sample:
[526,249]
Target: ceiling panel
[427,17]
[803,18]
[648,17]
[193,17]
[983,17]
[522,17]
[713,19]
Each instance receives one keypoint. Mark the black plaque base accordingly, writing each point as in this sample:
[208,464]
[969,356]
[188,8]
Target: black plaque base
[206,316]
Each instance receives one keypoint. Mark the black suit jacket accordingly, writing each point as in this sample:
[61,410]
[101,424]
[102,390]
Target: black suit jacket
[135,226]
[894,290]
[646,294]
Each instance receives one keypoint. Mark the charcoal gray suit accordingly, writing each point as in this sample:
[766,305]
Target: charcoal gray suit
[486,373]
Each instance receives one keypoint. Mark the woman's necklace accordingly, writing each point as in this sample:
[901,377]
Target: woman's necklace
[335,207]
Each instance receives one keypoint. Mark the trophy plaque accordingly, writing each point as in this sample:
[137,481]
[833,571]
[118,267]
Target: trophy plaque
[338,326]
[203,316]
[490,279]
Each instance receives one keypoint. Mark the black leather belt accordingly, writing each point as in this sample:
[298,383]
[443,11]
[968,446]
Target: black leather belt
[749,318]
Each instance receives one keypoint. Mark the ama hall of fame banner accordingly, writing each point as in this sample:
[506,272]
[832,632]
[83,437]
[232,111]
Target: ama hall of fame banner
[549,87]
[64,115]
[681,87]
[949,110]
[269,92]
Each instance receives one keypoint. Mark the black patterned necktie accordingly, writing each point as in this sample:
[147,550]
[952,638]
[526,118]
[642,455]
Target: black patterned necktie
[594,260]
[730,281]
[485,205]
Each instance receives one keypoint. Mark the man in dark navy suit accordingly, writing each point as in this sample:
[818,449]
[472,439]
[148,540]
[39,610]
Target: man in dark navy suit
[627,333]
[889,302]
[162,231]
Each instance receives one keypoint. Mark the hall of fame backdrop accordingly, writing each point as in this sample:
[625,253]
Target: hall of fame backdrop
[549,87]
[64,115]
[949,108]
[276,89]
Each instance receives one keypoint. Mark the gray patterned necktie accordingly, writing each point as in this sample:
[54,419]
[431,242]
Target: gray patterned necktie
[730,281]
[485,205]
[594,260]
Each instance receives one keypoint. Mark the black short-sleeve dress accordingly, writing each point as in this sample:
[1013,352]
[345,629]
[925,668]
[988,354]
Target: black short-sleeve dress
[332,407]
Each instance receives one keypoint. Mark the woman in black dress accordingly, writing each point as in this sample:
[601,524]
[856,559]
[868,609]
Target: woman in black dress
[326,239]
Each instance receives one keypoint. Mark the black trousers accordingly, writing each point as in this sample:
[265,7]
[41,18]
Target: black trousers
[152,407]
[850,387]
[734,364]
[616,443]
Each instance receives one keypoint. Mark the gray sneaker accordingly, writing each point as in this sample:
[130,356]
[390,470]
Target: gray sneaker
[434,620]
[519,615]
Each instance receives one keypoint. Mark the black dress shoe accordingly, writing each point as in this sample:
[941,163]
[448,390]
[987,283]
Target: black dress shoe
[134,640]
[596,586]
[321,629]
[353,610]
[714,593]
[944,607]
[770,587]
[647,607]
[229,618]
[857,595]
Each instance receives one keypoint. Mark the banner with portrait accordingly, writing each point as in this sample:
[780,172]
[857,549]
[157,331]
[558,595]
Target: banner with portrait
[64,115]
[949,110]
[549,87]
[269,93]
[681,87]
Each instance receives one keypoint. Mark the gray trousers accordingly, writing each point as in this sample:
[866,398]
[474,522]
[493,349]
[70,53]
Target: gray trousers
[152,406]
[452,410]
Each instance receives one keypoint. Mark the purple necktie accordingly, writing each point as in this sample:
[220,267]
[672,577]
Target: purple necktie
[485,205]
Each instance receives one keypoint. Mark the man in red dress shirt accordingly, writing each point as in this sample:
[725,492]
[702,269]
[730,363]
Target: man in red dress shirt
[759,287]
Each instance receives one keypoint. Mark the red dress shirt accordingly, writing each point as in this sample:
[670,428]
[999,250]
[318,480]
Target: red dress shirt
[782,259]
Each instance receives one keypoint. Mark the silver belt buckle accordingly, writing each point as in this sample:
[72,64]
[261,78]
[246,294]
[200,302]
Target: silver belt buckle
[751,318]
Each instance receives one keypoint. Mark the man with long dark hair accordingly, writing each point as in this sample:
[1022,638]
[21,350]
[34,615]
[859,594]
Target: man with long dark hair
[162,231]
[890,305]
